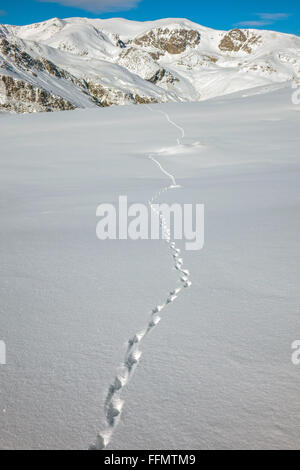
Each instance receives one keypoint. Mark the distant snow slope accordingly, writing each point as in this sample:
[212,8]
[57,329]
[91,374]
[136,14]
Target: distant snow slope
[117,61]
[217,372]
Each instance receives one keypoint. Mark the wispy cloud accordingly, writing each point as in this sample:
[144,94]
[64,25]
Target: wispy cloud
[274,16]
[3,13]
[97,6]
[265,19]
[254,23]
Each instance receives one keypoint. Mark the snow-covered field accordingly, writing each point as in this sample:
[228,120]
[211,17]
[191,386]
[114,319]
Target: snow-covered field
[217,370]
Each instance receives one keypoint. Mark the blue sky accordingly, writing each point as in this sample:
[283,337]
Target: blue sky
[277,15]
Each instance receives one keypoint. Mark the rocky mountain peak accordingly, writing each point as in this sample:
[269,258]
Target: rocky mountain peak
[237,40]
[166,40]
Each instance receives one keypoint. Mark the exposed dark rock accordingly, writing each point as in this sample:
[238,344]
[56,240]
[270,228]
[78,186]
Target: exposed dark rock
[26,62]
[109,96]
[144,99]
[163,74]
[171,41]
[22,97]
[237,40]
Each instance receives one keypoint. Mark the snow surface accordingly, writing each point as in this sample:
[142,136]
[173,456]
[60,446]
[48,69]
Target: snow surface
[217,371]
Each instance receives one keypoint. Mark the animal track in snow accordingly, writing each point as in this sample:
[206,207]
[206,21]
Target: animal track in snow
[113,403]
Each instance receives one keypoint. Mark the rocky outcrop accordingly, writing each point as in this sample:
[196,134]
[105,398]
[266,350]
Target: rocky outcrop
[163,76]
[21,97]
[209,58]
[237,40]
[104,96]
[26,62]
[139,61]
[107,96]
[171,41]
[143,64]
[145,99]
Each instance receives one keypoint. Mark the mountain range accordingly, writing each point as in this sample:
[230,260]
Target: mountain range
[85,63]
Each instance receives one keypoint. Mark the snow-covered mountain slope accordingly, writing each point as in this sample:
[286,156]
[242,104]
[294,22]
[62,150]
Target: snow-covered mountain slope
[79,62]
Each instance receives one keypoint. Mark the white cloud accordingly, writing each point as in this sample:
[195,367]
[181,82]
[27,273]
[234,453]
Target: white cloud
[254,23]
[265,19]
[97,6]
[273,16]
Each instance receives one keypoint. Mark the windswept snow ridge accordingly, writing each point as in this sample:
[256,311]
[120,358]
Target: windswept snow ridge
[114,403]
